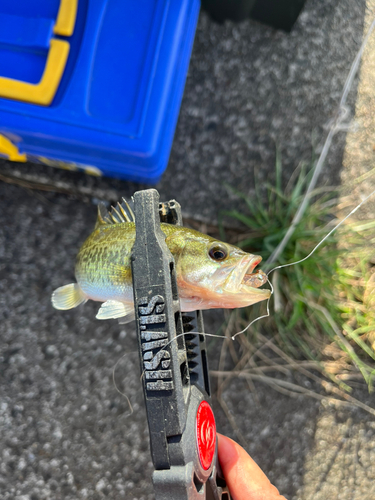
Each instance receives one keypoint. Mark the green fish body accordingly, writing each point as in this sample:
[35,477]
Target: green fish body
[210,274]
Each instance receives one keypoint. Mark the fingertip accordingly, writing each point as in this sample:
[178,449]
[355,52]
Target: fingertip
[244,477]
[227,450]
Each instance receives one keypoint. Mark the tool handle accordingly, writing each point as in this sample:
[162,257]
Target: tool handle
[174,365]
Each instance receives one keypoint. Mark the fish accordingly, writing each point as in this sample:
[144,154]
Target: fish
[210,273]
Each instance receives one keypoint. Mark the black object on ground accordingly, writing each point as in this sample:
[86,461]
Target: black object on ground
[280,14]
[236,10]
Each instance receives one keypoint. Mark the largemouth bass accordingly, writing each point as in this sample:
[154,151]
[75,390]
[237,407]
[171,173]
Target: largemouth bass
[210,274]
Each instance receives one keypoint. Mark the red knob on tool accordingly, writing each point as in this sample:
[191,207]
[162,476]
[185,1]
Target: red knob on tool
[206,434]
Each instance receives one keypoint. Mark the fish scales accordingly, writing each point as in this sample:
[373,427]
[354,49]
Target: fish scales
[210,273]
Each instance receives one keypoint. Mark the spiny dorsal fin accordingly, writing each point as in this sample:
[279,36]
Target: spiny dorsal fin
[126,211]
[123,213]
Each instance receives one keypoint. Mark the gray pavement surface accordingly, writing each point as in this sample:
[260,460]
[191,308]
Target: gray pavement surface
[65,432]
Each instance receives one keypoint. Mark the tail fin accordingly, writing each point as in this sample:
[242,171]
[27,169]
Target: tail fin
[68,296]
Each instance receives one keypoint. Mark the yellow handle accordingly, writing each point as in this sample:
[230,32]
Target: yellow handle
[66,18]
[7,148]
[44,91]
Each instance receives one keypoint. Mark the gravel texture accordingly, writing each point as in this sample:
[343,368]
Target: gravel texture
[65,432]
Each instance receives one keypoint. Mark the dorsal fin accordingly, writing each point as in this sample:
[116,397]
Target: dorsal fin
[123,213]
[103,215]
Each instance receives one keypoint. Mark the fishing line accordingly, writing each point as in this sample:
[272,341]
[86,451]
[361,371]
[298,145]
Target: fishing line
[325,237]
[338,124]
[267,315]
[259,317]
[190,333]
[131,410]
[303,260]
[299,262]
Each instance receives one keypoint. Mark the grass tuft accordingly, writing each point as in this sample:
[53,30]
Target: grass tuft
[323,309]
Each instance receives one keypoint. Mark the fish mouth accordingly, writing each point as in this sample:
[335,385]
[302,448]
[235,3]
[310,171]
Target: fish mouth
[240,280]
[251,279]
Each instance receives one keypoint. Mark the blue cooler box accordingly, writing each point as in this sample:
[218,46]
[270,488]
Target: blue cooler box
[94,84]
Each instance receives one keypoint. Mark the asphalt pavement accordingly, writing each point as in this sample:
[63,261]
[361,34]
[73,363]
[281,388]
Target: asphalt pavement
[65,428]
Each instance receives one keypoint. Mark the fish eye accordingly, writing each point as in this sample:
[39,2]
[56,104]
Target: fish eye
[218,252]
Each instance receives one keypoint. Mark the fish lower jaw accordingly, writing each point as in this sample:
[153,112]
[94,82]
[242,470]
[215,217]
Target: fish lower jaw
[244,297]
[249,290]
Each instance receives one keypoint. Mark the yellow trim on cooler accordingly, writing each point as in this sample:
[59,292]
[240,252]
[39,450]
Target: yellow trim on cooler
[43,92]
[66,18]
[7,148]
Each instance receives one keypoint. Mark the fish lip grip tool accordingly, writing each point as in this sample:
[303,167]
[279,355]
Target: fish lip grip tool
[174,366]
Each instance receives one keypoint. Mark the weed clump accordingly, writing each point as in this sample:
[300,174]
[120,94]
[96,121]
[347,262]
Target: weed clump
[323,309]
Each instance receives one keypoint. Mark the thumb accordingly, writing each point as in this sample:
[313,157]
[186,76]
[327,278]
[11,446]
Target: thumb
[245,480]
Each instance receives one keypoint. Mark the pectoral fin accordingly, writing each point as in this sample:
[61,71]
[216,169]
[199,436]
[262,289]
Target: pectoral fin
[68,296]
[115,309]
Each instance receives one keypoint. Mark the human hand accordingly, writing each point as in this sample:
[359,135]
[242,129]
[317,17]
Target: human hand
[245,480]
